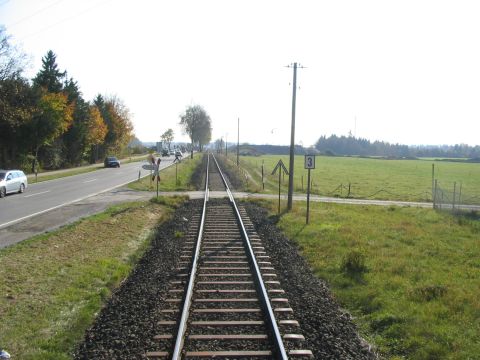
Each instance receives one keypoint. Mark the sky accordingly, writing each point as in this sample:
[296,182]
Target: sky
[405,71]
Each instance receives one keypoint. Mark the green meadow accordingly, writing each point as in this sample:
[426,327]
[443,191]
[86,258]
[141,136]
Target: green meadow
[409,276]
[54,284]
[368,178]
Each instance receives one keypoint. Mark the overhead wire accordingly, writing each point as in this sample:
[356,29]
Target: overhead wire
[34,14]
[65,19]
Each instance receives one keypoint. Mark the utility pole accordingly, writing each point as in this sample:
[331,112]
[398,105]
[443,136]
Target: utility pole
[226,145]
[292,138]
[238,141]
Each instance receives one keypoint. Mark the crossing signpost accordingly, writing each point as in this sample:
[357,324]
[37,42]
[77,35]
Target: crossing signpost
[154,170]
[309,164]
[280,167]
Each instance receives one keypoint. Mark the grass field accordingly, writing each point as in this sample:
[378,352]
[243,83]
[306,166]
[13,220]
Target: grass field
[53,285]
[409,276]
[407,180]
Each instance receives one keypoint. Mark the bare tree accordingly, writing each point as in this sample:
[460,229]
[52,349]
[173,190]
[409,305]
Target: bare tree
[12,60]
[167,137]
[196,124]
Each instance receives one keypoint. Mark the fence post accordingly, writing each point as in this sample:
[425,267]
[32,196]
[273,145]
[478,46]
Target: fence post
[460,195]
[349,185]
[435,195]
[454,195]
[263,181]
[433,177]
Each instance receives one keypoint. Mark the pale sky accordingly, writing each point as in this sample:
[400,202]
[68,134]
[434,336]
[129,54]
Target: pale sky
[408,71]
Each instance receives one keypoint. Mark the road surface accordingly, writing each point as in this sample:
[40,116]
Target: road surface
[45,196]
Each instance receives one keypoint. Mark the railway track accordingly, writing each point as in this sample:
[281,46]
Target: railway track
[226,301]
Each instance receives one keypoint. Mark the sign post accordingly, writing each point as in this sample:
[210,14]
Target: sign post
[309,164]
[280,166]
[154,170]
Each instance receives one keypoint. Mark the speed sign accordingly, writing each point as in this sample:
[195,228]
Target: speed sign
[309,161]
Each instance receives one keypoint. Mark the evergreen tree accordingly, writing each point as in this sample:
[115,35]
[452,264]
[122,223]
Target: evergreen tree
[74,140]
[50,77]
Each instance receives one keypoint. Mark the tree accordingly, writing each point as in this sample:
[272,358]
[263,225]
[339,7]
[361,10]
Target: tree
[117,118]
[17,106]
[196,124]
[52,118]
[12,60]
[74,140]
[96,131]
[49,77]
[167,137]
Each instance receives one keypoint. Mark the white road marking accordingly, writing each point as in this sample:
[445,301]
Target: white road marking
[87,181]
[40,193]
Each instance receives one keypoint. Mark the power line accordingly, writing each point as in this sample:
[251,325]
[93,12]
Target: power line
[35,13]
[65,19]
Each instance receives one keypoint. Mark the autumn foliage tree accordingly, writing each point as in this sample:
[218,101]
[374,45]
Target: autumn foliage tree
[96,131]
[117,118]
[48,122]
[52,118]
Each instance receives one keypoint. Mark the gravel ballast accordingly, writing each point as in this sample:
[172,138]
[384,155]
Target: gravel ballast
[329,331]
[125,327]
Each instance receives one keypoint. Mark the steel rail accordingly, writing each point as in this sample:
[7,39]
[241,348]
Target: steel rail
[277,337]
[188,297]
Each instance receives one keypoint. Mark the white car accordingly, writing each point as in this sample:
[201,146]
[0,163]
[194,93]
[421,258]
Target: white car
[12,181]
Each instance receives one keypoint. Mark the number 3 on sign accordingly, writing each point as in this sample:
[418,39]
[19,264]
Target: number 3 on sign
[309,161]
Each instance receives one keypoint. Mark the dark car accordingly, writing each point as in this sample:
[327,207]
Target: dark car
[165,152]
[111,161]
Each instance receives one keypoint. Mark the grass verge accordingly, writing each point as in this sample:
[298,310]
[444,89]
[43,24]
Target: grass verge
[53,285]
[175,178]
[409,276]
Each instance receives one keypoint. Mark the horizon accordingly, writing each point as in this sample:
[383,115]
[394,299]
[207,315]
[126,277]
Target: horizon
[365,71]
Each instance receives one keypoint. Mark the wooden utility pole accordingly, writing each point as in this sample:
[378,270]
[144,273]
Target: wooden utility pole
[292,140]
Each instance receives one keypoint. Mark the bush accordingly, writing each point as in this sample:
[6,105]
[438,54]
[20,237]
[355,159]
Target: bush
[353,263]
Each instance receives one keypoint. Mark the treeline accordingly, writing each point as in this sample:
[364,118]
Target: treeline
[256,150]
[46,122]
[349,145]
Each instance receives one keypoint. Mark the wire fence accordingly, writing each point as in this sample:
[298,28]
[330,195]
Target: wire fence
[445,195]
[453,197]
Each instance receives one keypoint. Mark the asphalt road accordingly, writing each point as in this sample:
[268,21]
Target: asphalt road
[49,195]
